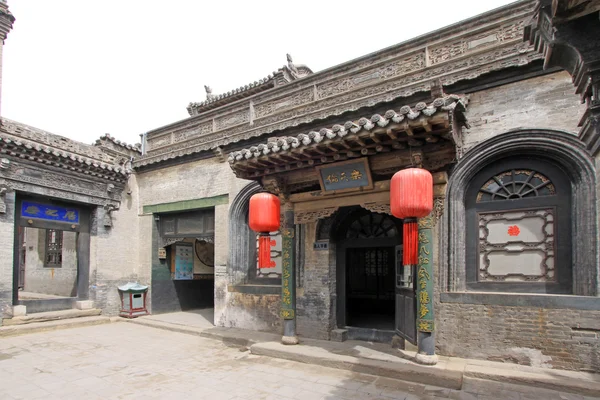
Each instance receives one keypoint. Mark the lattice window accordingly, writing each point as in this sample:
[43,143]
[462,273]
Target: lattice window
[371,226]
[517,246]
[516,184]
[54,245]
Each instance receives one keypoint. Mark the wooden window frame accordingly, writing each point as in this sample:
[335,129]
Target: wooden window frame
[561,202]
[47,250]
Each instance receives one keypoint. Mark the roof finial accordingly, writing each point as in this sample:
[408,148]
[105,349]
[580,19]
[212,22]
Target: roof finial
[209,95]
[291,65]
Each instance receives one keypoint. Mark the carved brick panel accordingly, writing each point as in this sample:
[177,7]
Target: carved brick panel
[294,100]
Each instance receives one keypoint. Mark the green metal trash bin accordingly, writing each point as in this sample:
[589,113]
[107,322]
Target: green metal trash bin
[133,300]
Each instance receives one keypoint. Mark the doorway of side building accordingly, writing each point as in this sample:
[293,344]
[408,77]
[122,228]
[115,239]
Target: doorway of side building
[51,254]
[183,274]
[368,247]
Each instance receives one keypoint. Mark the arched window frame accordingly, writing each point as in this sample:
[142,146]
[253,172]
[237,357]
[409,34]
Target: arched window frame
[565,150]
[557,204]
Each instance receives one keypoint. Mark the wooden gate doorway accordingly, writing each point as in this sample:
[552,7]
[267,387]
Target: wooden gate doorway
[367,246]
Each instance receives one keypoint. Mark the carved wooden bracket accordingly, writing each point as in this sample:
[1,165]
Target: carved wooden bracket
[108,209]
[377,208]
[304,217]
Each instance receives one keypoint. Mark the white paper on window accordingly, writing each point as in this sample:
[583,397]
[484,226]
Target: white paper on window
[517,246]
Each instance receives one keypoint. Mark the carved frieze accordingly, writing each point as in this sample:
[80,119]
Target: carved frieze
[198,130]
[465,45]
[62,183]
[237,118]
[305,217]
[269,107]
[160,141]
[386,71]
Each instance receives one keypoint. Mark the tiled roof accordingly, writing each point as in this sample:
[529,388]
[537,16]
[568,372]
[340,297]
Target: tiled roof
[348,130]
[133,147]
[242,91]
[25,142]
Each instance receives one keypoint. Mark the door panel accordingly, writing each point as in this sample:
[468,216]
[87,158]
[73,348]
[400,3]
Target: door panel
[406,305]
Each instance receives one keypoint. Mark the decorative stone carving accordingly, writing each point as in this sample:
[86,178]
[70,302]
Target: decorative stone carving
[438,208]
[395,68]
[305,217]
[502,34]
[377,208]
[296,99]
[3,190]
[108,209]
[209,94]
[237,118]
[4,163]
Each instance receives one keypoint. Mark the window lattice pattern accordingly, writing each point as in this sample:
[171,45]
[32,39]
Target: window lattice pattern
[54,244]
[517,246]
[516,184]
[371,226]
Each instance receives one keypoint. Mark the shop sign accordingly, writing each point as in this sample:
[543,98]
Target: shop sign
[49,212]
[345,176]
[321,246]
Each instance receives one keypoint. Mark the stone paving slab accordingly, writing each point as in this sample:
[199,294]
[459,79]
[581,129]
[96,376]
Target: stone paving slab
[34,327]
[50,316]
[130,361]
[381,359]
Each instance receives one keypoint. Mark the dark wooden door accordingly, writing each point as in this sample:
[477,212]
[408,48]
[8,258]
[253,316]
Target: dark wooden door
[406,304]
[370,280]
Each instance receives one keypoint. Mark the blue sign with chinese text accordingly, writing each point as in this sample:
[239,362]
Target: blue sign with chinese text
[49,212]
[345,176]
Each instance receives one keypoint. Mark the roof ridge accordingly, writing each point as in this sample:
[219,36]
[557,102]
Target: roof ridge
[135,147]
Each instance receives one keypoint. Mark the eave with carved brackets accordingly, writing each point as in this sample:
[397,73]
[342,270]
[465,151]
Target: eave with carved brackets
[422,131]
[567,33]
[426,135]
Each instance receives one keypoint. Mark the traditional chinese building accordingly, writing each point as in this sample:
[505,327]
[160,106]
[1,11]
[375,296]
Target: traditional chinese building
[491,106]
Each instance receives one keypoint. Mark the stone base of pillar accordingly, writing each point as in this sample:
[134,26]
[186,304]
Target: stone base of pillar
[289,340]
[426,359]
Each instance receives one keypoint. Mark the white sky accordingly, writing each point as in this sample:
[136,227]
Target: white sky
[82,68]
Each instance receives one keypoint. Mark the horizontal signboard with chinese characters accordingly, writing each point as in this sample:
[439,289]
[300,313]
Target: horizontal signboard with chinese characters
[345,176]
[49,212]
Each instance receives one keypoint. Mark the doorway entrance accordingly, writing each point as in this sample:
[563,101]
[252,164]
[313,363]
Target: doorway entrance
[51,254]
[368,245]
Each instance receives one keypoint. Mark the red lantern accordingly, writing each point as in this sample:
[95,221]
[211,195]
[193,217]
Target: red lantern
[411,197]
[264,217]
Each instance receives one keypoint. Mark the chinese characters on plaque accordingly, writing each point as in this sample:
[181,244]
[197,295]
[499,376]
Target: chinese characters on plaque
[345,176]
[49,212]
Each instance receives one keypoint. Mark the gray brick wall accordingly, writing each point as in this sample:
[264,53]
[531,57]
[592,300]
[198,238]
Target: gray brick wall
[544,102]
[564,339]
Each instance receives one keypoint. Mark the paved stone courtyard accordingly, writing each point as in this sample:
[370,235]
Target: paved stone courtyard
[128,361]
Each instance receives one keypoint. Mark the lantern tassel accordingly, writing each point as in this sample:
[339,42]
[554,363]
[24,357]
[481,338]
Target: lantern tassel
[264,251]
[410,240]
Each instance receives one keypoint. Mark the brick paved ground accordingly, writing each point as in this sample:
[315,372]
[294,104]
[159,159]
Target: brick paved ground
[127,361]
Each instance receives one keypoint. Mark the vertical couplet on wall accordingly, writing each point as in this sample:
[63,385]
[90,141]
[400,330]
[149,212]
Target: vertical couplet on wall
[411,197]
[425,316]
[288,278]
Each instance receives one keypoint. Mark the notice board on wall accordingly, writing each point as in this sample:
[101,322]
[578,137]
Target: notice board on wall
[182,266]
